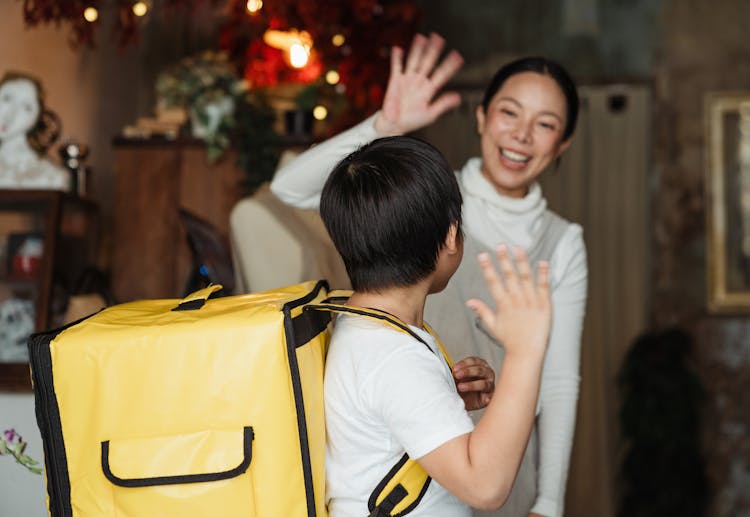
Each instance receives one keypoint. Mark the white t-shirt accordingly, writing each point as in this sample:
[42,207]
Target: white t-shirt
[385,394]
[493,219]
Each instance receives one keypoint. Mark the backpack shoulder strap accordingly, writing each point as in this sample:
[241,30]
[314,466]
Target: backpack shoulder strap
[403,487]
[383,317]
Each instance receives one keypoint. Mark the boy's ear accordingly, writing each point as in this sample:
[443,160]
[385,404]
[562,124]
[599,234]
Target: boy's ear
[453,239]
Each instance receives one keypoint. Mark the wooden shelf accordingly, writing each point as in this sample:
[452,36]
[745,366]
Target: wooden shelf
[68,228]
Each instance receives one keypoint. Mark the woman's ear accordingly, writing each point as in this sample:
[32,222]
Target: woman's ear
[480,119]
[564,146]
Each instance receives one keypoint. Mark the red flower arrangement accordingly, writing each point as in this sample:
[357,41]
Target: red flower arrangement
[369,28]
[365,30]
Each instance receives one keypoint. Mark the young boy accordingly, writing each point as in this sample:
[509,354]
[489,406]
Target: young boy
[393,209]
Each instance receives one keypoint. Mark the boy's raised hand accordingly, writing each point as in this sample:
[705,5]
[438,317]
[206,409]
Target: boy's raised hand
[410,102]
[475,382]
[523,315]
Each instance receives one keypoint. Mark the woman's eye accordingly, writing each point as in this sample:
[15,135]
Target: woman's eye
[548,126]
[507,112]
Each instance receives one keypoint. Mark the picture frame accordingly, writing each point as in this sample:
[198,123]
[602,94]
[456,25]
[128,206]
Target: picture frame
[727,182]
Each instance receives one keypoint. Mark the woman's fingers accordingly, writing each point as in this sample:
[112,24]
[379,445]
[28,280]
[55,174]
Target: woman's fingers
[476,385]
[397,62]
[446,69]
[416,52]
[432,51]
[445,102]
[473,367]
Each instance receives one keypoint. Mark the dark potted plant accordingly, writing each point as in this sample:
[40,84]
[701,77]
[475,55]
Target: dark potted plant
[662,471]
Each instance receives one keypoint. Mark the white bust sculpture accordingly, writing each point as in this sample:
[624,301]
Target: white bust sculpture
[22,121]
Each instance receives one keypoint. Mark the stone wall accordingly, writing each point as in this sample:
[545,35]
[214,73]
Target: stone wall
[704,47]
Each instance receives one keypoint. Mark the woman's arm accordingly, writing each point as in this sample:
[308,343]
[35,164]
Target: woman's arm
[479,468]
[561,376]
[300,182]
[411,102]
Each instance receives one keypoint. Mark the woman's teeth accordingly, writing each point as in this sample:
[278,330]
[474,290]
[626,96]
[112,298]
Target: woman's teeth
[513,156]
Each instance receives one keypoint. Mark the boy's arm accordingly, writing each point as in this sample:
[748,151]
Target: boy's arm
[480,467]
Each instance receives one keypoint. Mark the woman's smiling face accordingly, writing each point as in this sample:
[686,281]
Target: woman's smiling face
[521,131]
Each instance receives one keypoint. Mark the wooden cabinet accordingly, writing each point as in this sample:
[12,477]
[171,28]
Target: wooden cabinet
[153,180]
[47,240]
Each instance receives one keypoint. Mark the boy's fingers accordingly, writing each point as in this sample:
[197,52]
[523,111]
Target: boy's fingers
[525,277]
[483,311]
[510,277]
[492,279]
[542,278]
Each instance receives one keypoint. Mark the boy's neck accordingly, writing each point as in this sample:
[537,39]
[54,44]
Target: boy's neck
[406,303]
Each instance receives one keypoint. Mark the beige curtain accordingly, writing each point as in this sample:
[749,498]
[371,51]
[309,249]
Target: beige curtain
[601,184]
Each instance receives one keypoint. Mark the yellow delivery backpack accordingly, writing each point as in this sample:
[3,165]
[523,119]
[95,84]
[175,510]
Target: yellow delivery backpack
[197,407]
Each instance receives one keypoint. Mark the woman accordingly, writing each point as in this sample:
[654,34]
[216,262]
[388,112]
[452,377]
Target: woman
[27,130]
[525,123]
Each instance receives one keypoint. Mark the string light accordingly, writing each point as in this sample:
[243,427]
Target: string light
[296,44]
[332,77]
[140,8]
[90,14]
[298,54]
[338,40]
[320,112]
[253,6]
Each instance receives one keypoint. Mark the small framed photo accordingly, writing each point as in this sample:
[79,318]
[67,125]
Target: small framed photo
[727,117]
[24,254]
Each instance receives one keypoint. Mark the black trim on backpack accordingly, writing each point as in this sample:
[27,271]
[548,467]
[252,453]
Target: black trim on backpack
[247,448]
[308,325]
[48,420]
[291,350]
[395,496]
[192,305]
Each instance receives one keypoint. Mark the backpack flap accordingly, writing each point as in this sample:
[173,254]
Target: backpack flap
[171,460]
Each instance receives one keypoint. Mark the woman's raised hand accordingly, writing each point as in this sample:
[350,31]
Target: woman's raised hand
[410,102]
[523,314]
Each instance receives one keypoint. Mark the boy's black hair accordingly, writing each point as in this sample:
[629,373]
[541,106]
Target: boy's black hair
[388,207]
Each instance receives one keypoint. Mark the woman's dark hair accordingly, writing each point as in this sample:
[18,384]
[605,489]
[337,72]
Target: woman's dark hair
[47,128]
[543,66]
[389,207]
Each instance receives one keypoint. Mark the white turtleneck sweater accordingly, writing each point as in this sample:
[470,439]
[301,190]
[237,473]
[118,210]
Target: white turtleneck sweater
[492,218]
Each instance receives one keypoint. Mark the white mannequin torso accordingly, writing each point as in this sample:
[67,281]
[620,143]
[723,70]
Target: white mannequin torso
[20,165]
